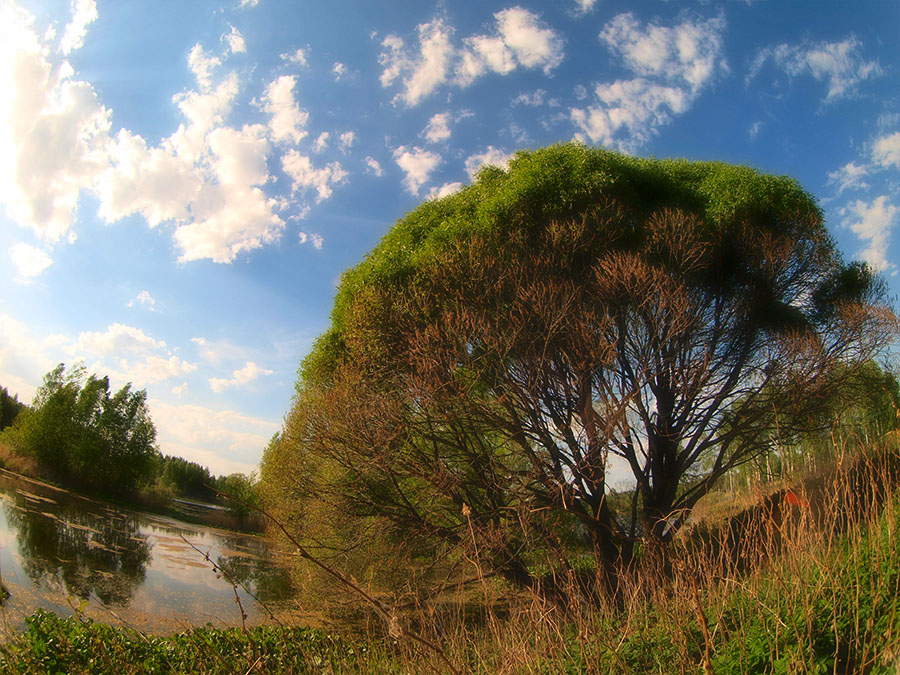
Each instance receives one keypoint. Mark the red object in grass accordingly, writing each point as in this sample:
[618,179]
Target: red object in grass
[792,498]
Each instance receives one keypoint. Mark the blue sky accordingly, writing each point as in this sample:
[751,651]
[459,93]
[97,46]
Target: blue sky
[184,182]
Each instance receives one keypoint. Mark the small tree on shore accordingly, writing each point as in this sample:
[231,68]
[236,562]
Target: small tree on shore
[503,349]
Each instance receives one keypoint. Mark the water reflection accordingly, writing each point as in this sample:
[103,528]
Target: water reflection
[59,550]
[81,550]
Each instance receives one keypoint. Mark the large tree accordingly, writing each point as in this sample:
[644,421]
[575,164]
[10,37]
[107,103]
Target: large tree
[583,315]
[78,431]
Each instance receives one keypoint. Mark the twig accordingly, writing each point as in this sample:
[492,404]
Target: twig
[393,624]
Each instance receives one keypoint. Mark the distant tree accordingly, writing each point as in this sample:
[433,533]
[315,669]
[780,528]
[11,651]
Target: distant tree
[186,478]
[239,493]
[10,407]
[503,349]
[80,432]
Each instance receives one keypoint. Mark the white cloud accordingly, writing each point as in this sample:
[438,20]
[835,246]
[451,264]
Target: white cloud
[373,167]
[520,39]
[490,157]
[143,298]
[674,64]
[533,99]
[288,119]
[338,69]
[754,129]
[690,53]
[438,128]
[202,65]
[315,239]
[886,150]
[249,3]
[839,64]
[445,190]
[321,143]
[23,357]
[872,223]
[29,261]
[304,175]
[245,375]
[116,339]
[418,165]
[423,72]
[52,132]
[235,41]
[636,107]
[84,13]
[533,45]
[151,368]
[298,57]
[585,6]
[224,440]
[850,176]
[346,140]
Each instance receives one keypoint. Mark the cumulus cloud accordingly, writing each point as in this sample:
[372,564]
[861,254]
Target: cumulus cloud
[315,239]
[116,339]
[850,176]
[224,440]
[373,167]
[346,140]
[202,65]
[84,13]
[338,69]
[445,190]
[235,41]
[532,99]
[52,132]
[519,39]
[144,299]
[418,165]
[839,65]
[298,57]
[674,64]
[438,128]
[886,150]
[248,373]
[29,261]
[306,176]
[288,120]
[872,222]
[490,157]
[584,6]
[321,143]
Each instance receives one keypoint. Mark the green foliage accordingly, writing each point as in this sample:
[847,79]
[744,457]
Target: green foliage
[499,345]
[10,407]
[80,432]
[52,645]
[570,181]
[186,478]
[239,493]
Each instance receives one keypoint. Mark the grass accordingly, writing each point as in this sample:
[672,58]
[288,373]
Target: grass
[813,590]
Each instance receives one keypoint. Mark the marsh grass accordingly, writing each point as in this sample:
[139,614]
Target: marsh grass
[770,587]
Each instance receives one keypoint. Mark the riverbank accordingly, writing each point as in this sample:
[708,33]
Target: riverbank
[822,596]
[195,512]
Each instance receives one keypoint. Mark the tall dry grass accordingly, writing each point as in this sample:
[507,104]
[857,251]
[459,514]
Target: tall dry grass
[806,584]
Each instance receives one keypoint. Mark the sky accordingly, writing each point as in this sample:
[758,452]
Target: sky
[182,183]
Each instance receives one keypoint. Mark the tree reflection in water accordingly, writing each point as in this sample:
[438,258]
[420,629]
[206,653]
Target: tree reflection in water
[248,562]
[84,551]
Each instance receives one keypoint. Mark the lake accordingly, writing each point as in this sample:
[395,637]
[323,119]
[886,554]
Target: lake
[70,554]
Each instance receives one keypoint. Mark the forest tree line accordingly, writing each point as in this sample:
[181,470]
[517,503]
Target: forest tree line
[81,434]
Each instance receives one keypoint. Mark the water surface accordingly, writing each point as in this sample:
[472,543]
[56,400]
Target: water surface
[70,554]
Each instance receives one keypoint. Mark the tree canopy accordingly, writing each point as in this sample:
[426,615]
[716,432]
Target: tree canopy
[81,432]
[505,351]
